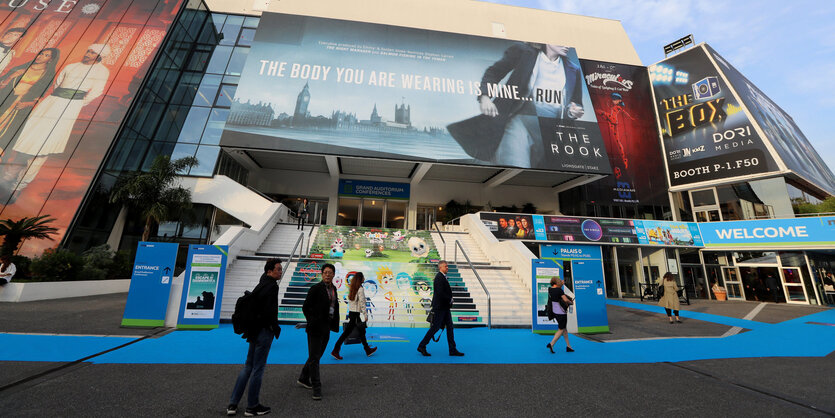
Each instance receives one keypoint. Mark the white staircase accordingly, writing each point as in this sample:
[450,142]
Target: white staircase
[510,297]
[280,241]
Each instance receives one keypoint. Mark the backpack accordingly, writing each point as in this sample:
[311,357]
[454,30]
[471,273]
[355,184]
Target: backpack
[246,312]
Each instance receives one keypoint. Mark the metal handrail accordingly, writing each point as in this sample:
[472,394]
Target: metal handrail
[489,304]
[435,224]
[292,253]
[259,193]
[309,234]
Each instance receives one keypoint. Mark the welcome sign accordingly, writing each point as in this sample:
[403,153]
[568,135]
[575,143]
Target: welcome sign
[802,233]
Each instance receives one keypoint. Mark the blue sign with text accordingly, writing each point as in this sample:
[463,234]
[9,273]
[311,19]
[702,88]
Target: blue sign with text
[374,189]
[586,278]
[150,284]
[203,287]
[792,232]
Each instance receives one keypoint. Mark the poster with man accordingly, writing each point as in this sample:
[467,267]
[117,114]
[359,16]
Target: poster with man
[341,87]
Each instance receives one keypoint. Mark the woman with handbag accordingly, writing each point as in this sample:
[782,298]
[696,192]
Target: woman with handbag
[356,317]
[668,291]
[557,308]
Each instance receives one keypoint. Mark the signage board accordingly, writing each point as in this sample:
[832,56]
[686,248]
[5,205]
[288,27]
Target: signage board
[203,287]
[798,233]
[542,271]
[150,284]
[586,280]
[374,189]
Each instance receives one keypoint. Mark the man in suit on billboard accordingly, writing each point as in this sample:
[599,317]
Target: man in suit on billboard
[508,132]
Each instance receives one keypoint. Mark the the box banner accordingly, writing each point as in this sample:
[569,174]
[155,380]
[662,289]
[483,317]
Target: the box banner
[150,284]
[802,233]
[374,189]
[706,134]
[585,278]
[779,128]
[203,287]
[622,98]
[342,87]
[542,271]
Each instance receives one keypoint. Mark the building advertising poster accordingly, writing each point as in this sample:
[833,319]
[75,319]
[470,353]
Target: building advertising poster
[69,71]
[779,128]
[351,88]
[622,99]
[203,287]
[706,134]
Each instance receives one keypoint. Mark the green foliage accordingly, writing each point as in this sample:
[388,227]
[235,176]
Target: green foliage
[154,194]
[13,232]
[57,265]
[97,263]
[122,266]
[22,264]
[802,206]
[454,210]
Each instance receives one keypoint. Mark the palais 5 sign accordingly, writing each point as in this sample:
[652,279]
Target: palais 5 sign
[350,88]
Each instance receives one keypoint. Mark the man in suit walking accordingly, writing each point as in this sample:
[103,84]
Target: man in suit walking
[321,309]
[441,306]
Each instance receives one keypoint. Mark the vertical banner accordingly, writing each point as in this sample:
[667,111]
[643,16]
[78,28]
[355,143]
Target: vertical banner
[588,283]
[150,284]
[203,287]
[541,272]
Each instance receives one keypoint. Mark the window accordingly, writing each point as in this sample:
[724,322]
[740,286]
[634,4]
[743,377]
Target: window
[224,97]
[194,124]
[217,119]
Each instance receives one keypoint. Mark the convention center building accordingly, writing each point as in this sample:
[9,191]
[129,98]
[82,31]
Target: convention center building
[509,128]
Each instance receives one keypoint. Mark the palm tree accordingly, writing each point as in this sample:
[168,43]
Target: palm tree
[13,232]
[154,194]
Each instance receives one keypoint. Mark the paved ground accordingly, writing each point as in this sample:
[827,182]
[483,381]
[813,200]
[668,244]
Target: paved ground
[795,386]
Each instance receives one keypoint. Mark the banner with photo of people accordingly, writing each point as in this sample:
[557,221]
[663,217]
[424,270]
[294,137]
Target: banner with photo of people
[780,130]
[351,88]
[622,99]
[706,134]
[69,70]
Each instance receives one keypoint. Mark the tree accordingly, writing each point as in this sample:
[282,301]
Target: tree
[154,194]
[13,232]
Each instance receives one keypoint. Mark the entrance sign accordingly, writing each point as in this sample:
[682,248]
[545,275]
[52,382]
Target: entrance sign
[374,189]
[150,284]
[542,272]
[586,275]
[203,287]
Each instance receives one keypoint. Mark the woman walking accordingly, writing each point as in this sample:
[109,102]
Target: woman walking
[670,299]
[559,304]
[356,317]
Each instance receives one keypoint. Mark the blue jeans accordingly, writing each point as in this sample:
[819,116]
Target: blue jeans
[256,360]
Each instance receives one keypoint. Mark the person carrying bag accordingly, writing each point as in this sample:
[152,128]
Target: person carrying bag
[357,321]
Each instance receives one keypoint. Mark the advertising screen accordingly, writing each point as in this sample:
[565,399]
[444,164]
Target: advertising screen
[350,88]
[622,99]
[706,134]
[69,70]
[779,128]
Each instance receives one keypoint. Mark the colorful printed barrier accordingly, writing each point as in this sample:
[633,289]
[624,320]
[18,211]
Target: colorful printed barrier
[351,243]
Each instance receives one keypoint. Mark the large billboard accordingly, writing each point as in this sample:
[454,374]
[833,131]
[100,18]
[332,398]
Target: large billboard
[779,128]
[351,88]
[622,99]
[69,70]
[706,134]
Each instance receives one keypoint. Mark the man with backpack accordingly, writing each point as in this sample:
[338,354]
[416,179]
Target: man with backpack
[257,315]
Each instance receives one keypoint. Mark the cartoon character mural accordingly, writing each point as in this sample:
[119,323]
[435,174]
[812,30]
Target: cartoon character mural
[371,288]
[418,247]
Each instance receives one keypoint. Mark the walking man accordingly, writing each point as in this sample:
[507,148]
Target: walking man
[441,306]
[321,310]
[260,338]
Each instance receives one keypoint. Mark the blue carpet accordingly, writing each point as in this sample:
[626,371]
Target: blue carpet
[794,338]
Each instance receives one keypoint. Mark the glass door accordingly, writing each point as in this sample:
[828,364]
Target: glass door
[372,213]
[733,284]
[793,285]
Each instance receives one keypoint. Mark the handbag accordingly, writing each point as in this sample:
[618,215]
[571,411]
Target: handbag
[549,308]
[660,290]
[431,317]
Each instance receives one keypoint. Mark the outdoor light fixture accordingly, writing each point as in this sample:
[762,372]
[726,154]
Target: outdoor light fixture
[681,77]
[661,74]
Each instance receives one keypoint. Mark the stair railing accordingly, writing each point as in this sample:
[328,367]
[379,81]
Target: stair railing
[299,240]
[440,234]
[309,242]
[487,292]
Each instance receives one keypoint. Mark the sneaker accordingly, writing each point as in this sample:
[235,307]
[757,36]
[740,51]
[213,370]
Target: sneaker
[232,410]
[258,410]
[422,350]
[317,394]
[304,384]
[370,352]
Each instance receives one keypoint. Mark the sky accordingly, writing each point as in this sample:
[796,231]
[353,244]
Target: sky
[786,48]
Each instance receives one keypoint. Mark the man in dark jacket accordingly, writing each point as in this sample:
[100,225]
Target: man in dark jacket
[441,306]
[321,310]
[260,338]
[773,286]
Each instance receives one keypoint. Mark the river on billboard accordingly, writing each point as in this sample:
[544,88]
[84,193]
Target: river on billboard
[350,88]
[69,70]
